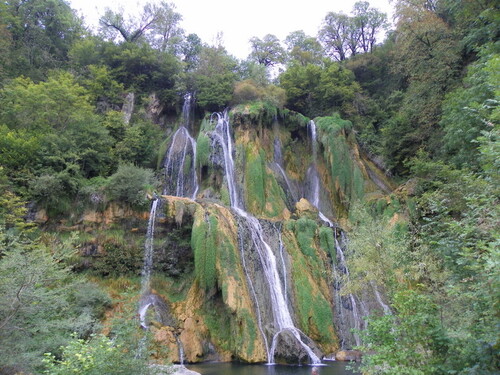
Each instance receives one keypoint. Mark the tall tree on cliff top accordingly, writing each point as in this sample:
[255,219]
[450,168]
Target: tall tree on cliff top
[158,24]
[267,51]
[303,49]
[343,36]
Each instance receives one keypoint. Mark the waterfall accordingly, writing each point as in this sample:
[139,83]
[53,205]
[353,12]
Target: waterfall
[148,249]
[313,177]
[347,309]
[353,311]
[180,171]
[281,313]
[387,309]
[180,163]
[181,350]
[278,163]
[283,263]
[181,181]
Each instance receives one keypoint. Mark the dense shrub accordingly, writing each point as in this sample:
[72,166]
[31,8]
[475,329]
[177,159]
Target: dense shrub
[130,184]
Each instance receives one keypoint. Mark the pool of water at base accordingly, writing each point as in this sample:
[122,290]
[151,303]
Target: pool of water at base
[231,368]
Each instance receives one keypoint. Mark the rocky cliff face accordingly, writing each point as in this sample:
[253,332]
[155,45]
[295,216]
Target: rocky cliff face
[206,267]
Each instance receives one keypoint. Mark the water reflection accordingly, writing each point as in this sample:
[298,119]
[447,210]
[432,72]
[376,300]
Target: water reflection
[329,368]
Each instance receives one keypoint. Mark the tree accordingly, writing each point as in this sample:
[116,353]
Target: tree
[335,34]
[422,39]
[130,184]
[368,22]
[158,24]
[470,110]
[41,33]
[51,105]
[166,34]
[303,49]
[131,29]
[42,302]
[316,91]
[410,342]
[99,355]
[214,78]
[267,51]
[190,50]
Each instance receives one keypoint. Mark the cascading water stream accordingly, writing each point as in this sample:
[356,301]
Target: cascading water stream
[312,173]
[354,306]
[278,162]
[281,314]
[181,179]
[180,168]
[353,313]
[184,184]
[148,249]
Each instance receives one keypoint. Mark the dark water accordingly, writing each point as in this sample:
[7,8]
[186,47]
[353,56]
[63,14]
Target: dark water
[329,368]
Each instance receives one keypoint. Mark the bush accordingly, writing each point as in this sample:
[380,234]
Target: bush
[100,355]
[246,91]
[130,184]
[54,191]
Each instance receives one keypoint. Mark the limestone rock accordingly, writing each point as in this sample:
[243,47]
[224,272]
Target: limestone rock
[128,107]
[348,355]
[304,206]
[289,350]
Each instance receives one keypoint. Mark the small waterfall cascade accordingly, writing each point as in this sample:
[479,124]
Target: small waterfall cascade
[313,177]
[281,313]
[348,311]
[278,164]
[380,301]
[180,163]
[148,248]
[181,351]
[283,263]
[149,299]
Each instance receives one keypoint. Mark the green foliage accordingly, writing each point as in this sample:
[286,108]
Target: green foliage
[102,87]
[203,145]
[303,49]
[214,78]
[305,230]
[255,181]
[119,257]
[130,184]
[41,33]
[43,301]
[377,253]
[412,341]
[17,147]
[337,151]
[344,35]
[53,104]
[204,242]
[327,242]
[99,355]
[469,110]
[54,191]
[316,91]
[267,51]
[139,144]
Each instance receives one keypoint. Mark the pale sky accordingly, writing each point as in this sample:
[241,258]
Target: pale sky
[238,21]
